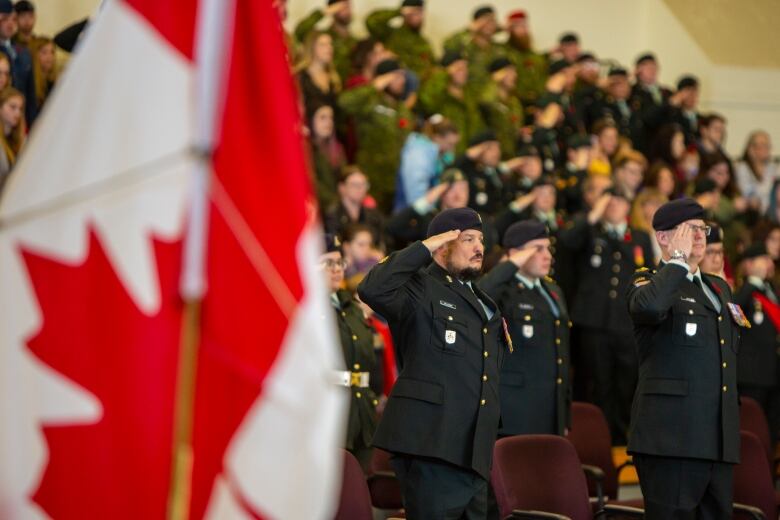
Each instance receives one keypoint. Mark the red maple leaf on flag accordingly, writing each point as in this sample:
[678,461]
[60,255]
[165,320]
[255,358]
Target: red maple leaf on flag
[93,333]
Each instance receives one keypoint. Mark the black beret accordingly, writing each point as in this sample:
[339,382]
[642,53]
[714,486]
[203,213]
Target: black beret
[716,234]
[452,175]
[569,37]
[386,66]
[704,185]
[481,11]
[332,243]
[754,250]
[674,213]
[519,233]
[482,137]
[458,218]
[578,141]
[24,6]
[585,56]
[617,71]
[412,3]
[499,63]
[558,66]
[527,150]
[648,56]
[451,57]
[687,82]
[617,192]
[6,7]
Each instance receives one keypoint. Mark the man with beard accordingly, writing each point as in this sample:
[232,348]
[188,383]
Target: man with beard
[405,41]
[441,418]
[476,44]
[340,13]
[382,123]
[530,65]
[501,109]
[448,92]
[685,416]
[535,389]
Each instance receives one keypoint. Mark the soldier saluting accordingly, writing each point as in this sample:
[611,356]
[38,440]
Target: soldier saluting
[685,418]
[441,418]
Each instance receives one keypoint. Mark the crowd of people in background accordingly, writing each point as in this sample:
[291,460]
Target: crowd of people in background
[28,73]
[581,143]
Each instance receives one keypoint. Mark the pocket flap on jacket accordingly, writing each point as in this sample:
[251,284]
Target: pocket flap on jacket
[422,390]
[665,386]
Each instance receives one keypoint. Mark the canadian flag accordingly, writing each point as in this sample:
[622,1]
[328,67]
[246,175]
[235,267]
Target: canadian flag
[163,351]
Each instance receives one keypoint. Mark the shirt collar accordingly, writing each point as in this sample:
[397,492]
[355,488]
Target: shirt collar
[697,274]
[529,283]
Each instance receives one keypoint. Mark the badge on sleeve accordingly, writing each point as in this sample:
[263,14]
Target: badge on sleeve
[449,336]
[690,329]
[738,315]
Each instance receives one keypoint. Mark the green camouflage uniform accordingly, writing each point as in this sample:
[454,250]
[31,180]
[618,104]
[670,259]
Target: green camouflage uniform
[504,117]
[382,124]
[478,57]
[464,113]
[411,47]
[531,73]
[342,45]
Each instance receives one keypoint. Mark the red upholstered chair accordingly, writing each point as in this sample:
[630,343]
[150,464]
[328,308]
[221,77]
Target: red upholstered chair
[540,476]
[752,482]
[382,483]
[752,419]
[355,501]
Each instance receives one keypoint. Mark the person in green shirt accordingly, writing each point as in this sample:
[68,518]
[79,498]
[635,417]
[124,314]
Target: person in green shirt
[477,46]
[407,42]
[531,66]
[340,14]
[382,122]
[448,93]
[501,110]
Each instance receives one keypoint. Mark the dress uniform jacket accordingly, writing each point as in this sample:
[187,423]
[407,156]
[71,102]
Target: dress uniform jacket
[488,191]
[535,386]
[758,354]
[357,343]
[445,402]
[686,401]
[604,266]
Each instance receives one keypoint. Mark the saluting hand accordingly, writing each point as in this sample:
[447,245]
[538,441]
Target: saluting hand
[520,256]
[436,241]
[435,193]
[682,239]
[599,208]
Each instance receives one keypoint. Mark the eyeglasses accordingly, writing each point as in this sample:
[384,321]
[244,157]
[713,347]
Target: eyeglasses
[714,252]
[333,264]
[704,229]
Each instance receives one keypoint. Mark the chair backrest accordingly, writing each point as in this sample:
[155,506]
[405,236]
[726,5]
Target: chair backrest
[752,479]
[355,502]
[591,438]
[752,419]
[385,491]
[539,472]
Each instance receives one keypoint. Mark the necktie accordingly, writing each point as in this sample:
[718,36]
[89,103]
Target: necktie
[713,299]
[553,307]
[485,308]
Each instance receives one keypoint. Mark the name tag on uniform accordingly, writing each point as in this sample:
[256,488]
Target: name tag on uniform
[683,298]
[690,329]
[447,304]
[449,336]
[528,331]
[525,306]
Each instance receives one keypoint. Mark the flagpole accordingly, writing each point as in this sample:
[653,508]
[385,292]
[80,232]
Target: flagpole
[212,43]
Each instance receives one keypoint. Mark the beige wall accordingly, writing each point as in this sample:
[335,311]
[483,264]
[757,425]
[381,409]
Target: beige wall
[620,29]
[53,15]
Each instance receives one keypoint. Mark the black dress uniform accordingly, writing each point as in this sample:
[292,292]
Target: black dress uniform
[357,343]
[758,356]
[441,418]
[605,260]
[535,386]
[685,417]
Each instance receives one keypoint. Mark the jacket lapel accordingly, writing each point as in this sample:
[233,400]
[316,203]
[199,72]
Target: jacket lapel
[461,289]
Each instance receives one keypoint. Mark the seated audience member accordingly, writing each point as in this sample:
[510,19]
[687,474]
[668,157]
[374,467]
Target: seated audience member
[660,177]
[317,77]
[327,154]
[756,173]
[351,207]
[629,172]
[424,156]
[712,135]
[668,147]
[14,130]
[359,251]
[605,145]
[44,69]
